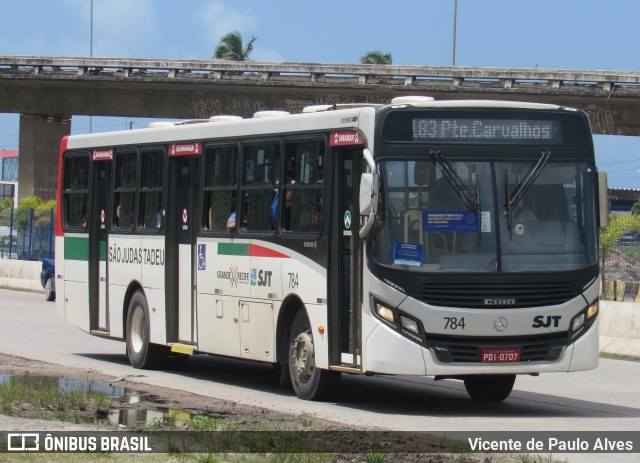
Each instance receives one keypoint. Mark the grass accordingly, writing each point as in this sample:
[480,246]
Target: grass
[306,421]
[17,396]
[204,423]
[20,394]
[93,458]
[539,459]
[632,251]
[629,358]
[375,457]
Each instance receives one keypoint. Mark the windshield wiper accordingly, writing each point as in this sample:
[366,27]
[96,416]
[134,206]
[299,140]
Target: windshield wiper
[456,182]
[523,186]
[449,173]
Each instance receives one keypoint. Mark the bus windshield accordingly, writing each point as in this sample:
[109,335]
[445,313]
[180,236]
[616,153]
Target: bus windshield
[443,215]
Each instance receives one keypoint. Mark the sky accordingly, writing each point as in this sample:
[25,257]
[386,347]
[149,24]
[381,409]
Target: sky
[556,34]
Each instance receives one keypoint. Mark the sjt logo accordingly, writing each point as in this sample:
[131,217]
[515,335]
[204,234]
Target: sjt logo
[540,321]
[261,277]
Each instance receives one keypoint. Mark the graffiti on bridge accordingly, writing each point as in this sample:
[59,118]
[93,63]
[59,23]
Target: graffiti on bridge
[203,109]
[603,120]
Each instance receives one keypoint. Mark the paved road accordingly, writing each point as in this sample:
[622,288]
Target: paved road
[605,399]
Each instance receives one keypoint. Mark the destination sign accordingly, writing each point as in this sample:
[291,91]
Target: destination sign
[103,154]
[185,149]
[486,130]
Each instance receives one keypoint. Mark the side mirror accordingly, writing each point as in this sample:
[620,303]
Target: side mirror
[368,194]
[603,199]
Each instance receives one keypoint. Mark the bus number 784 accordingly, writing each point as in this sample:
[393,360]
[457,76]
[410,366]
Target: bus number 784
[453,323]
[293,280]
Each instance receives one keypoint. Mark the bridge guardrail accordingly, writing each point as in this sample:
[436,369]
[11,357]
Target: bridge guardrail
[400,75]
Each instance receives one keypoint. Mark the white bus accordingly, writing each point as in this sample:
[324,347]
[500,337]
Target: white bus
[454,239]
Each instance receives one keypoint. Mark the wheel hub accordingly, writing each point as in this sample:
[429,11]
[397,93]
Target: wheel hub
[137,329]
[303,362]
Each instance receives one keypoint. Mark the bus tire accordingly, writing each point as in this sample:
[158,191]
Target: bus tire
[309,382]
[140,351]
[489,388]
[49,293]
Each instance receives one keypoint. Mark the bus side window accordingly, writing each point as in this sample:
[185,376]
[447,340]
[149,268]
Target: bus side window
[124,191]
[261,174]
[75,191]
[303,190]
[219,201]
[151,214]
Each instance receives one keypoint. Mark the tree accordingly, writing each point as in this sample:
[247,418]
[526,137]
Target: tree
[609,237]
[24,219]
[231,47]
[376,57]
[635,209]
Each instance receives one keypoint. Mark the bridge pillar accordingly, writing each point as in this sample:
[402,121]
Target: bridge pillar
[39,149]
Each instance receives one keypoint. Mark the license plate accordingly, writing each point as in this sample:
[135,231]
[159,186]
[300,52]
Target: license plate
[500,355]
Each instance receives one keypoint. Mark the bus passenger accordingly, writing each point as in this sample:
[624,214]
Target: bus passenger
[231,222]
[288,195]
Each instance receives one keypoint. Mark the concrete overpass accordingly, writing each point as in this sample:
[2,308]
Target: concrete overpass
[48,91]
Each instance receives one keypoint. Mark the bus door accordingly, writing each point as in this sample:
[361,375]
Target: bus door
[180,242]
[97,225]
[344,288]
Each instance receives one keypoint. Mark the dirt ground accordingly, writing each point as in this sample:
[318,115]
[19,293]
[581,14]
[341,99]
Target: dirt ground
[21,418]
[620,267]
[152,397]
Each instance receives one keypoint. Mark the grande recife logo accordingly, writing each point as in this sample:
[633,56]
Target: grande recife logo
[234,276]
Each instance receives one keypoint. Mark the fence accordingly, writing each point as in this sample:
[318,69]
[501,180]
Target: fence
[27,234]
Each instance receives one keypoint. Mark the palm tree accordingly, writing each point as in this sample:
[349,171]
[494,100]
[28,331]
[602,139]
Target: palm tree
[231,47]
[376,57]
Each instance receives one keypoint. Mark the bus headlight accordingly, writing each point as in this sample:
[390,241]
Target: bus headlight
[398,320]
[385,312]
[578,322]
[592,311]
[583,320]
[409,325]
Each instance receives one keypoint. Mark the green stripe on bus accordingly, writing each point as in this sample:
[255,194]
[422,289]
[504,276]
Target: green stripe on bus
[103,251]
[232,249]
[76,248]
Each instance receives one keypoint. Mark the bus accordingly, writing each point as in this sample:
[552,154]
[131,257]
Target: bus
[451,239]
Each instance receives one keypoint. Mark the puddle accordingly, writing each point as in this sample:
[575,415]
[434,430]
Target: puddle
[118,416]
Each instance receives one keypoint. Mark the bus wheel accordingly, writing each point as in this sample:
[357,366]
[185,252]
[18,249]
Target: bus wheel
[49,293]
[141,353]
[489,388]
[309,382]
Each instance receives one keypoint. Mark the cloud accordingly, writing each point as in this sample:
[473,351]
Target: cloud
[122,27]
[219,18]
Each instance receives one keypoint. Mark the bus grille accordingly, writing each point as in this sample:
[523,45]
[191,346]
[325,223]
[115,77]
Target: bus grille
[496,296]
[469,350]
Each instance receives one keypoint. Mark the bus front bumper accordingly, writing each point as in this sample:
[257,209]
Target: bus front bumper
[388,352]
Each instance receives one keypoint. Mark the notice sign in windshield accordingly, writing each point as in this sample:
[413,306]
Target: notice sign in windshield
[408,254]
[466,221]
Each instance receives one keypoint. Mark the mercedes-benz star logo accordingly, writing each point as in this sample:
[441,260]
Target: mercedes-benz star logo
[501,324]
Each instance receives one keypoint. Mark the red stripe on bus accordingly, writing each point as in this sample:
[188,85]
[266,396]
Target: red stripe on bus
[260,251]
[63,148]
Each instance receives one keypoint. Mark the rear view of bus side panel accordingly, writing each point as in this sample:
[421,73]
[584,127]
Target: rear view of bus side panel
[72,239]
[76,286]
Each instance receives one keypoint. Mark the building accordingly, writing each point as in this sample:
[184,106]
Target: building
[9,175]
[622,199]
